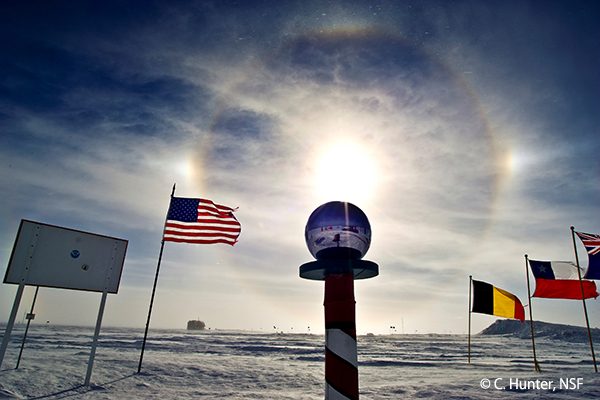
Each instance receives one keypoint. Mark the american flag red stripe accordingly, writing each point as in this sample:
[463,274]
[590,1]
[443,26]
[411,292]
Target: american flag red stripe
[212,208]
[195,232]
[198,241]
[191,228]
[200,221]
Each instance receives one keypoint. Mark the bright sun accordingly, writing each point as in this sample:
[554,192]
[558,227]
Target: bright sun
[346,172]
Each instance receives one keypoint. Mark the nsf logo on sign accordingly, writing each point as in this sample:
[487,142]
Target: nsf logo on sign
[75,254]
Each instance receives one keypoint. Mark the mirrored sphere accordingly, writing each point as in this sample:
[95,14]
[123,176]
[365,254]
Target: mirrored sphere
[338,230]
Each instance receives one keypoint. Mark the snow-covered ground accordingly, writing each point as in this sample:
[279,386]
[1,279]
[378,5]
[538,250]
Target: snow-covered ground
[180,364]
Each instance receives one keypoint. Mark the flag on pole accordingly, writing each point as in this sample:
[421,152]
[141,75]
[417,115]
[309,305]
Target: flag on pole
[592,245]
[560,280]
[200,221]
[488,299]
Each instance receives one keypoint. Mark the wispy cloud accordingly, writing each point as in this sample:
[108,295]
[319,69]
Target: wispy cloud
[479,141]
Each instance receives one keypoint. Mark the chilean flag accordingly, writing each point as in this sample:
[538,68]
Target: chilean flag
[560,280]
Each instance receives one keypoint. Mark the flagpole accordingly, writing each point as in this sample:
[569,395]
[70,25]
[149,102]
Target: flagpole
[470,286]
[583,298]
[162,246]
[537,366]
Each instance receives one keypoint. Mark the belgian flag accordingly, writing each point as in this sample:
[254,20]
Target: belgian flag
[488,299]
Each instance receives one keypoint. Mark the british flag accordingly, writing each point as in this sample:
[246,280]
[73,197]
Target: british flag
[592,245]
[591,242]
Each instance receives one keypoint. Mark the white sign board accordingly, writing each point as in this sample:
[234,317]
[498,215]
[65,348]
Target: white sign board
[52,256]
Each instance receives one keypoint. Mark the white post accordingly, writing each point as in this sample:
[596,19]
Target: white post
[109,270]
[15,309]
[88,374]
[11,321]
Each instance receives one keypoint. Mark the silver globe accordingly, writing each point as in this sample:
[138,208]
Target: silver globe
[338,230]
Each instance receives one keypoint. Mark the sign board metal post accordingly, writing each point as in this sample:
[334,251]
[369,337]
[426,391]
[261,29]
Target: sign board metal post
[100,314]
[30,250]
[11,322]
[30,316]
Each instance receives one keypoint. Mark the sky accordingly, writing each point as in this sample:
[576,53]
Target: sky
[467,132]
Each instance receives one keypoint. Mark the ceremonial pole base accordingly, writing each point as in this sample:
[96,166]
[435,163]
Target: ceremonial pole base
[341,363]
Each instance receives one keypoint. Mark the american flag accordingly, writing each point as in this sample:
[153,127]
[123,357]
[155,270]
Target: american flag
[200,221]
[591,242]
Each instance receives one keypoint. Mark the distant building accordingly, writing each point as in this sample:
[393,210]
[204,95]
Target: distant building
[196,325]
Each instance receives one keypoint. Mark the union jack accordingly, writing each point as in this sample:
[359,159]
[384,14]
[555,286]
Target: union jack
[591,242]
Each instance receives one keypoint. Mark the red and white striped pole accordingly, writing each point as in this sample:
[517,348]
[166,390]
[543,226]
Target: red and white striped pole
[341,361]
[338,234]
